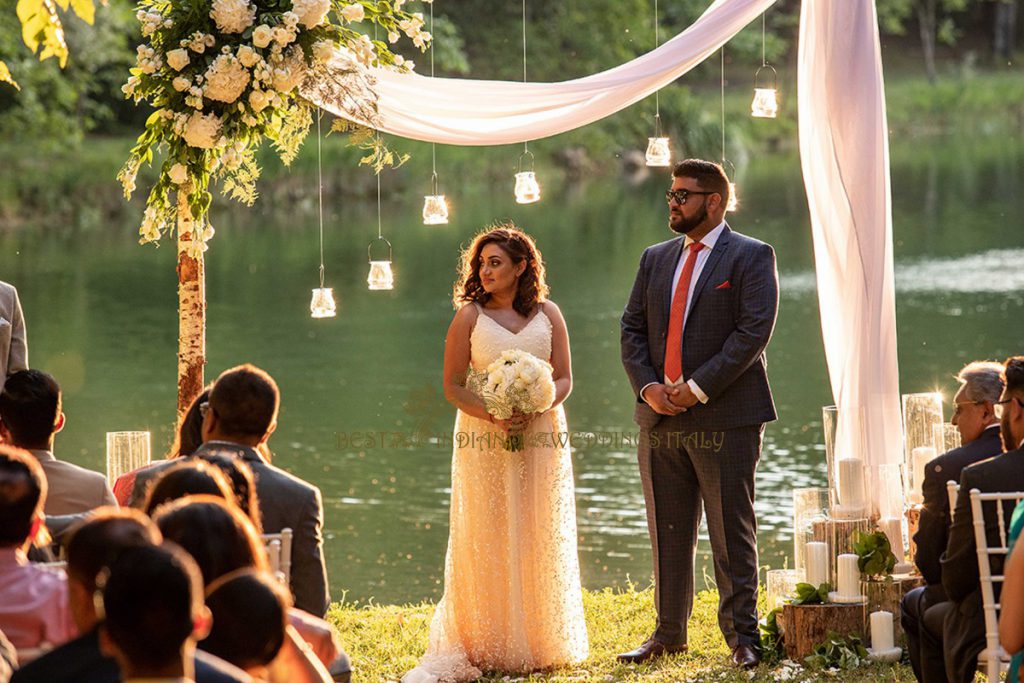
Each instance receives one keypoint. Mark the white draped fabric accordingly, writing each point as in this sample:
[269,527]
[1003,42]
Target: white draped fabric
[844,151]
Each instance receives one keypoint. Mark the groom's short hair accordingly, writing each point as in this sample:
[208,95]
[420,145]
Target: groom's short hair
[246,400]
[709,175]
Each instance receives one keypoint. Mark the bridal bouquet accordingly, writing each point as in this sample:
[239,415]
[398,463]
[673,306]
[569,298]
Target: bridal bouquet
[516,382]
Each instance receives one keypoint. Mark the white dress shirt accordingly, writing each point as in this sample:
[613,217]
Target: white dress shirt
[709,240]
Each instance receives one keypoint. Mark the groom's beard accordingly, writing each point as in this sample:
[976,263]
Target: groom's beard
[685,225]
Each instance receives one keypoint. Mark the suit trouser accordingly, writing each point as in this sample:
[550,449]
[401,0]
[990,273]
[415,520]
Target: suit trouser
[921,643]
[683,472]
[932,653]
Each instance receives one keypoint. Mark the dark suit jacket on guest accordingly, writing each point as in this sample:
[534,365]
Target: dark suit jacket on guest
[730,321]
[285,502]
[964,631]
[81,661]
[933,529]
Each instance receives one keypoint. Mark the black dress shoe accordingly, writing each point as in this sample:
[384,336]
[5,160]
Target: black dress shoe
[746,657]
[650,650]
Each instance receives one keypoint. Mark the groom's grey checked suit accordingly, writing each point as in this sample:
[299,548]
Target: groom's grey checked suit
[707,455]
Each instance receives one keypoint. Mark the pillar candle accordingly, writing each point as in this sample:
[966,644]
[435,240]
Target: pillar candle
[881,631]
[893,529]
[817,563]
[848,576]
[920,457]
[851,481]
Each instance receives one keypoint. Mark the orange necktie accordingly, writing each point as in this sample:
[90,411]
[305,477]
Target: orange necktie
[676,319]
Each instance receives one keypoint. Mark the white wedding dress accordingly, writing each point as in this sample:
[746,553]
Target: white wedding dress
[512,596]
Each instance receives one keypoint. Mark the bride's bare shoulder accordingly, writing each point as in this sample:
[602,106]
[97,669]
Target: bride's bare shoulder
[465,317]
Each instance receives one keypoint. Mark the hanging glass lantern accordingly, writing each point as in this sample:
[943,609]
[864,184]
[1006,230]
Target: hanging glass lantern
[380,276]
[435,208]
[527,187]
[322,304]
[765,104]
[734,200]
[658,152]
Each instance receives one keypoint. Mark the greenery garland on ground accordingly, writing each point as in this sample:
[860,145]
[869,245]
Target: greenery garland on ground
[223,75]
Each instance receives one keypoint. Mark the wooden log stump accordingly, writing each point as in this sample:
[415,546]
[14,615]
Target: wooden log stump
[806,626]
[887,596]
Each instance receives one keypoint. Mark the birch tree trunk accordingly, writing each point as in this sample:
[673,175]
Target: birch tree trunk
[191,311]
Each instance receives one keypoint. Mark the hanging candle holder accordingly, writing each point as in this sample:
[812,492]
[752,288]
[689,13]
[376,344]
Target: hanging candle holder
[659,150]
[527,187]
[380,276]
[435,207]
[322,305]
[734,200]
[765,104]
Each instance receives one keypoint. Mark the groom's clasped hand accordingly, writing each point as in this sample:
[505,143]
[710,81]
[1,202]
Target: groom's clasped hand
[667,399]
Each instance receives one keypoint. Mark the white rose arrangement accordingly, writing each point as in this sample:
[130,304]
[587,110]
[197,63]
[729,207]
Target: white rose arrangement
[517,382]
[227,77]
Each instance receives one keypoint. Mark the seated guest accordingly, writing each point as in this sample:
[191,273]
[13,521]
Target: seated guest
[187,439]
[13,342]
[961,636]
[92,545]
[242,482]
[251,629]
[30,417]
[33,599]
[154,615]
[1011,618]
[981,384]
[239,418]
[188,477]
[222,540]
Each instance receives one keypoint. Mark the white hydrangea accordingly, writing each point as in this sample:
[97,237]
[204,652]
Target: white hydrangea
[178,174]
[178,59]
[202,130]
[233,16]
[262,35]
[353,12]
[226,79]
[311,12]
[290,72]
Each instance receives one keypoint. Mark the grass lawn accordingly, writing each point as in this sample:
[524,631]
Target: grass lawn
[385,641]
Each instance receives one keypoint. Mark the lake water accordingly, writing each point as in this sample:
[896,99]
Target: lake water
[363,416]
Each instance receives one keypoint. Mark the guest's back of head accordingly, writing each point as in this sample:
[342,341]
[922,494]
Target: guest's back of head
[30,409]
[152,600]
[242,482]
[250,614]
[189,436]
[22,496]
[188,478]
[215,532]
[243,404]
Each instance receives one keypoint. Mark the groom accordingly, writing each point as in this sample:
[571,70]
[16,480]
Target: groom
[693,338]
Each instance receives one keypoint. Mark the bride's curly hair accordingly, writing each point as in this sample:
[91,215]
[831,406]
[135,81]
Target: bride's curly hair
[532,288]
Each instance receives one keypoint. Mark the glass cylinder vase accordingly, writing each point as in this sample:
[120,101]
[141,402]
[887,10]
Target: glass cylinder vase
[922,414]
[126,451]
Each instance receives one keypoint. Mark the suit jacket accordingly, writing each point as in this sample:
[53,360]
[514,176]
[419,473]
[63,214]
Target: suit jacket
[81,661]
[285,502]
[730,321]
[964,628]
[933,528]
[72,489]
[13,341]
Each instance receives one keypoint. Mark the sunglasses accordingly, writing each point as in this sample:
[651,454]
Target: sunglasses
[680,196]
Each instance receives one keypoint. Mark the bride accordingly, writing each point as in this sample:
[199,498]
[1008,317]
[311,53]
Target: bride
[512,597]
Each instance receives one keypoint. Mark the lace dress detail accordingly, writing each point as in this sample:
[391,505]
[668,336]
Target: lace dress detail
[512,600]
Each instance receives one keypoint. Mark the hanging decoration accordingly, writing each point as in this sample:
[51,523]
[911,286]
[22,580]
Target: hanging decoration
[527,188]
[435,207]
[381,276]
[322,305]
[659,150]
[734,201]
[766,103]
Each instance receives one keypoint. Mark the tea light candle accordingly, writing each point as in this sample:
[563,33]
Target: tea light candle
[881,631]
[817,563]
[848,579]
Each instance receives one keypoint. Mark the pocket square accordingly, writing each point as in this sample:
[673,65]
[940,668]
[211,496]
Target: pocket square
[724,285]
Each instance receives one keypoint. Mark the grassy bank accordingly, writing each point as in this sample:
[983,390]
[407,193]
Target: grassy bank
[385,641]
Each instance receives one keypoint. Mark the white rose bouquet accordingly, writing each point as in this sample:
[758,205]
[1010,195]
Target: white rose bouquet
[223,75]
[517,382]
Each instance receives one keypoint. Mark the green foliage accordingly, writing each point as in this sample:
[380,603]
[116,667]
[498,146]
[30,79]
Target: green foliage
[838,652]
[875,558]
[807,594]
[771,637]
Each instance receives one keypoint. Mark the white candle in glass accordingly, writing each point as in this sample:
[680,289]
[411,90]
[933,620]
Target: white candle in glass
[893,529]
[881,631]
[817,563]
[920,457]
[848,576]
[851,482]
